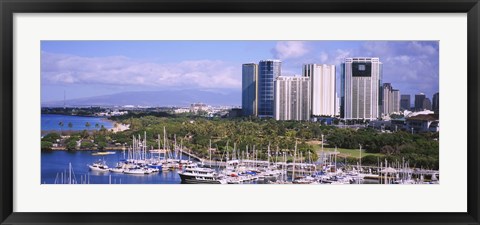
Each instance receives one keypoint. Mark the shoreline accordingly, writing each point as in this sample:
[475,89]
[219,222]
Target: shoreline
[61,114]
[115,126]
[105,149]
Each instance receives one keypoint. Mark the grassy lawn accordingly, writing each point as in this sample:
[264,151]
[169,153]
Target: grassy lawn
[346,152]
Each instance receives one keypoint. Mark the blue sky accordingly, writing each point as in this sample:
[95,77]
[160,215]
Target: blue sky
[92,68]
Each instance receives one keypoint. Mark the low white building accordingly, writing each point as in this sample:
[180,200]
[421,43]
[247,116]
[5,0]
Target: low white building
[182,110]
[423,123]
[197,107]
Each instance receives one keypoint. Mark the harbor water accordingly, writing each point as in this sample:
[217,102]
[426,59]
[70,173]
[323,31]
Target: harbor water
[56,163]
[57,166]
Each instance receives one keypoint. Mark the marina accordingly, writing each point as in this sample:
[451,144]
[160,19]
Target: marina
[139,165]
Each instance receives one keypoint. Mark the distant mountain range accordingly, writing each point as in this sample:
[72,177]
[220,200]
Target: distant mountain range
[157,98]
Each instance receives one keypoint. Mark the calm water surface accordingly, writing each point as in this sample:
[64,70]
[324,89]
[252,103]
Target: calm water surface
[50,122]
[54,163]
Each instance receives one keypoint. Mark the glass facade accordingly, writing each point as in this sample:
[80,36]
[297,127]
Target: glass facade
[405,102]
[436,103]
[249,77]
[342,90]
[419,102]
[268,70]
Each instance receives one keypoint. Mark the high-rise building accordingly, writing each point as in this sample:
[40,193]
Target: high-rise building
[387,103]
[396,100]
[292,98]
[322,80]
[390,99]
[268,71]
[360,88]
[337,105]
[405,102]
[436,103]
[419,99]
[249,89]
[427,104]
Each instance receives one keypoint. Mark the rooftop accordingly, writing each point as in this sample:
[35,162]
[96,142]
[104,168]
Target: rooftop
[424,117]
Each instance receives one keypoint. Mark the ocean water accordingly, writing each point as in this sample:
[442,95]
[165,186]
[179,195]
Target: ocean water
[56,163]
[51,122]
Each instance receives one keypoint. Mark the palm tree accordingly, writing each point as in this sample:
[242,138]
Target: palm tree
[70,125]
[87,124]
[61,126]
[97,126]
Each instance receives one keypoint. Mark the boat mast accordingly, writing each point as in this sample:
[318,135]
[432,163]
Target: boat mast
[234,154]
[335,158]
[322,151]
[145,145]
[295,156]
[285,167]
[227,153]
[360,169]
[133,147]
[276,155]
[165,143]
[181,149]
[268,154]
[253,157]
[159,147]
[175,145]
[123,148]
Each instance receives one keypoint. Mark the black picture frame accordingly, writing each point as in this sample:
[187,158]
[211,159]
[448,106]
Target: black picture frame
[9,7]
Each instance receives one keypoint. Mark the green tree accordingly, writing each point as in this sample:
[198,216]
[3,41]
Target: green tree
[71,145]
[51,137]
[87,125]
[85,134]
[101,145]
[70,125]
[87,145]
[46,145]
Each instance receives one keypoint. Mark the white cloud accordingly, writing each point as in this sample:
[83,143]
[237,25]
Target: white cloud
[323,57]
[422,48]
[341,54]
[119,70]
[403,59]
[289,49]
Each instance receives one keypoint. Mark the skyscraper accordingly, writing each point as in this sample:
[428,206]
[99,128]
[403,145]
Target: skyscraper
[436,103]
[387,103]
[419,98]
[427,104]
[361,83]
[322,80]
[405,102]
[249,89]
[396,100]
[390,100]
[292,98]
[268,70]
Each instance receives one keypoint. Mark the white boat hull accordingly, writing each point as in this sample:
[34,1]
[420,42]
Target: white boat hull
[191,179]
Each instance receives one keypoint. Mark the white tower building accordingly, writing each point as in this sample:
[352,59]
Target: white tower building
[361,83]
[292,98]
[322,78]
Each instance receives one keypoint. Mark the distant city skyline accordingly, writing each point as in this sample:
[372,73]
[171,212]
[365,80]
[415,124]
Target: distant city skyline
[93,68]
